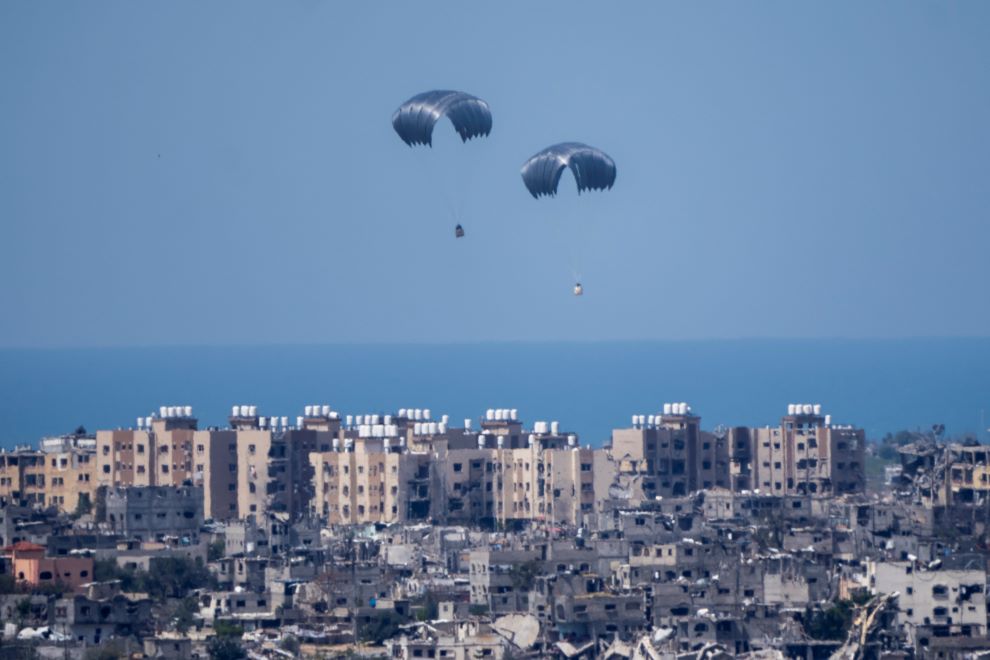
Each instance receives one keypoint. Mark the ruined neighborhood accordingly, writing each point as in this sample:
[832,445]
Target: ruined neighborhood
[404,536]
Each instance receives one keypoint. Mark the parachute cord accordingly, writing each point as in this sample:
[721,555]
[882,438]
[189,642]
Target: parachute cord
[568,239]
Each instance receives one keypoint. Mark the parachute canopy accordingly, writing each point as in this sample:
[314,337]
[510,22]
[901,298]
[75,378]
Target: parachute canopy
[593,169]
[415,119]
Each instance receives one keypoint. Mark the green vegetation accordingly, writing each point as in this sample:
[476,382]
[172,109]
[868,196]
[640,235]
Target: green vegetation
[225,648]
[428,609]
[185,614]
[290,643]
[523,575]
[227,629]
[383,625]
[216,551]
[168,577]
[84,506]
[832,623]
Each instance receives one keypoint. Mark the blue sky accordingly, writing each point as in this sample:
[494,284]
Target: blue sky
[225,172]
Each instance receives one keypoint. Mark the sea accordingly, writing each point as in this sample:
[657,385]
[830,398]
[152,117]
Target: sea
[590,387]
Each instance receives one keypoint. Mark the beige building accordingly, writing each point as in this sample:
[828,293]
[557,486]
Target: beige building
[806,455]
[371,483]
[22,476]
[404,470]
[70,475]
[158,453]
[666,455]
[57,475]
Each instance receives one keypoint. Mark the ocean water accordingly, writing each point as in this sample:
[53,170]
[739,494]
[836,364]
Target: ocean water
[880,385]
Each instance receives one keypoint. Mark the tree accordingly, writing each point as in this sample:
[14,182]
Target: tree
[382,625]
[23,610]
[185,614]
[225,648]
[226,629]
[216,551]
[290,643]
[84,506]
[832,623]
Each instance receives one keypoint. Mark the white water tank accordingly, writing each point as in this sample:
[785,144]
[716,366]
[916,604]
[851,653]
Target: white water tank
[426,413]
[514,414]
[285,422]
[418,428]
[555,427]
[308,411]
[481,442]
[808,409]
[140,422]
[532,439]
[817,409]
[490,414]
[336,444]
[467,423]
[790,408]
[299,422]
[651,420]
[499,415]
[349,420]
[187,411]
[572,441]
[442,427]
[326,411]
[147,422]
[402,412]
[666,409]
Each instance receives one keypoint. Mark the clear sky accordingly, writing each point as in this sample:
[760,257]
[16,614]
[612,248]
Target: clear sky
[217,172]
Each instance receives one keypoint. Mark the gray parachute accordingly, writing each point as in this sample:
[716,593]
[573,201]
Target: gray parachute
[592,168]
[415,119]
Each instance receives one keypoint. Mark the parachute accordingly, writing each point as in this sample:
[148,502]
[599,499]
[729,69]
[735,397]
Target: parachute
[415,119]
[593,169]
[471,117]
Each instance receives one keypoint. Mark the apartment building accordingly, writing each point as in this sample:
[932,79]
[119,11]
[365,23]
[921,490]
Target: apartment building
[933,603]
[665,455]
[22,476]
[70,477]
[806,455]
[159,452]
[405,470]
[371,483]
